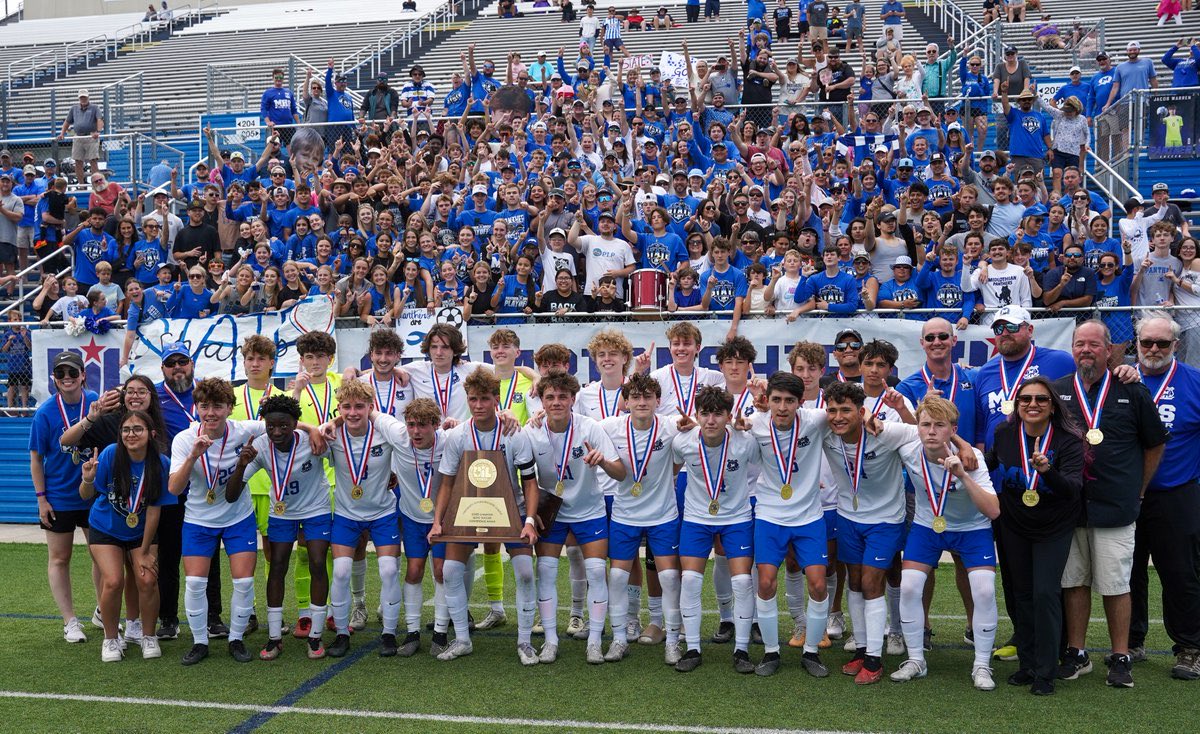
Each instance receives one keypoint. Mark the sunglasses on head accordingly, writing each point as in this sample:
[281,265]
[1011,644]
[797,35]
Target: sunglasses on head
[999,329]
[65,372]
[1144,343]
[847,346]
[939,337]
[1028,399]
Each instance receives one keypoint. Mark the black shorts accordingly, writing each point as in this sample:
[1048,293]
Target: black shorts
[1064,160]
[802,26]
[97,537]
[8,253]
[65,521]
[20,378]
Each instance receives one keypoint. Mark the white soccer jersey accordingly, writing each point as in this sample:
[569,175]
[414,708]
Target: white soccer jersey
[880,481]
[445,390]
[416,470]
[959,510]
[372,478]
[598,403]
[391,398]
[217,463]
[305,490]
[655,503]
[774,447]
[582,496]
[464,437]
[829,493]
[679,391]
[734,497]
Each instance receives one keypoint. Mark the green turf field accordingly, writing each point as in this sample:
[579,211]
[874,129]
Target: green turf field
[491,692]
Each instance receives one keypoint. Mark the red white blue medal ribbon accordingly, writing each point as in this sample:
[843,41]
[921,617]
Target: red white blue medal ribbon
[357,467]
[135,496]
[508,396]
[1031,475]
[425,479]
[565,454]
[479,444]
[322,409]
[1009,390]
[252,406]
[443,393]
[684,404]
[1162,389]
[605,410]
[927,376]
[278,485]
[713,483]
[387,407]
[640,464]
[937,501]
[191,412]
[212,475]
[785,467]
[62,410]
[1091,416]
[855,473]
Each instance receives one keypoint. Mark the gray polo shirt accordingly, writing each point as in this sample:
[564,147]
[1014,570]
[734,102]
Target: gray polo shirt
[84,121]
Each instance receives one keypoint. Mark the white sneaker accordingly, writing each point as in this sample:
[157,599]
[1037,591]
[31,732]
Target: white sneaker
[633,629]
[910,670]
[549,653]
[457,649]
[121,641]
[73,631]
[836,626]
[527,655]
[616,652]
[358,617]
[981,676]
[537,629]
[595,656]
[493,619]
[671,653]
[133,631]
[97,620]
[150,648]
[577,628]
[895,644]
[850,646]
[111,651]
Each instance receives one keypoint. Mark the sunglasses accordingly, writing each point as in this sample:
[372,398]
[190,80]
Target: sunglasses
[64,373]
[1107,266]
[1143,343]
[939,337]
[1073,255]
[1028,399]
[847,346]
[176,362]
[999,329]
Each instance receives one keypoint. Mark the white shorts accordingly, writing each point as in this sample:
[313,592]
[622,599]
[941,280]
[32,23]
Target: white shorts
[1101,558]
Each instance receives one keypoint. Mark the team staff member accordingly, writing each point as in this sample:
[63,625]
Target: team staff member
[1168,526]
[128,482]
[1036,461]
[1127,439]
[56,476]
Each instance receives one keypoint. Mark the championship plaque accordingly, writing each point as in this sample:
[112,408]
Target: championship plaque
[482,506]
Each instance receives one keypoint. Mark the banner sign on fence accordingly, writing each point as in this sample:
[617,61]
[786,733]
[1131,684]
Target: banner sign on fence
[412,325]
[1171,118]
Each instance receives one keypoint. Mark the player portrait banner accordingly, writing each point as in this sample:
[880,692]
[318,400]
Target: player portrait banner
[773,338]
[1171,120]
[412,324]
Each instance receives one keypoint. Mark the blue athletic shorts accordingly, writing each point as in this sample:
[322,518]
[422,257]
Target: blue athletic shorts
[807,542]
[975,547]
[868,545]
[831,524]
[240,537]
[696,539]
[585,532]
[317,527]
[608,503]
[416,539]
[624,540]
[384,531]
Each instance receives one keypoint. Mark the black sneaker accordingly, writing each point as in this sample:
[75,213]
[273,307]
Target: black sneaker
[168,630]
[813,665]
[339,648]
[1042,687]
[755,634]
[238,651]
[1021,678]
[387,646]
[769,665]
[1120,671]
[741,662]
[689,662]
[195,655]
[429,625]
[1074,664]
[217,629]
[252,624]
[412,644]
[723,634]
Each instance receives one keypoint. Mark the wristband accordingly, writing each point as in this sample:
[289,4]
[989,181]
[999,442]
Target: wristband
[39,494]
[529,521]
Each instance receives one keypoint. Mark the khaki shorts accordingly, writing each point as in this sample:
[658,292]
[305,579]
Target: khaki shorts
[1101,558]
[85,148]
[818,33]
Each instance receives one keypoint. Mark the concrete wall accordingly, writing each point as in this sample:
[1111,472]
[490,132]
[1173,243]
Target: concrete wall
[68,8]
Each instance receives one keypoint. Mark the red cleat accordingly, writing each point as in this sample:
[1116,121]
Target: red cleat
[303,628]
[853,667]
[866,677]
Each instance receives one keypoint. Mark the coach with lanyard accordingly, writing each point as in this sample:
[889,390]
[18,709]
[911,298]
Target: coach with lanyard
[941,376]
[1168,526]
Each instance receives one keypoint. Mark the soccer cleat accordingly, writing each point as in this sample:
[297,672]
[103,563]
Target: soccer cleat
[1006,652]
[1137,654]
[358,617]
[133,632]
[526,654]
[850,645]
[73,631]
[238,651]
[689,662]
[458,648]
[895,644]
[388,646]
[111,651]
[538,628]
[493,619]
[927,640]
[195,655]
[855,664]
[316,650]
[273,650]
[769,665]
[836,626]
[813,665]
[577,628]
[303,628]
[439,645]
[217,630]
[755,634]
[652,635]
[379,613]
[742,663]
[339,648]
[981,678]
[1120,671]
[331,624]
[97,620]
[910,670]
[168,630]
[1187,664]
[798,635]
[633,629]
[595,656]
[412,644]
[285,627]
[252,624]
[671,653]
[549,653]
[825,643]
[616,652]
[1042,687]
[470,622]
[723,634]
[151,648]
[1074,664]
[1021,678]
[866,677]
[969,635]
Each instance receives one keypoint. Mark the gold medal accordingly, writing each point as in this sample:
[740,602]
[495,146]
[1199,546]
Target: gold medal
[636,489]
[714,507]
[426,505]
[1094,436]
[356,493]
[559,487]
[131,520]
[280,508]
[939,524]
[854,502]
[75,457]
[1030,498]
[211,497]
[1007,407]
[786,491]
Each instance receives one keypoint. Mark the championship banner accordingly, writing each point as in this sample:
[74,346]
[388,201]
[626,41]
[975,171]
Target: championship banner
[412,324]
[773,338]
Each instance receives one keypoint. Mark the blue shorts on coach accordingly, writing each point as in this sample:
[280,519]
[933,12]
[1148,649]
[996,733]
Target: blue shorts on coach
[873,544]
[384,531]
[975,547]
[771,543]
[585,532]
[624,540]
[240,537]
[696,539]
[317,527]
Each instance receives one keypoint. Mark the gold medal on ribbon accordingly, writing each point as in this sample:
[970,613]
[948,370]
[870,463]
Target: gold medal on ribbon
[714,507]
[426,505]
[1094,436]
[357,492]
[939,524]
[211,497]
[75,457]
[636,489]
[559,487]
[854,502]
[280,508]
[1007,407]
[1030,498]
[786,491]
[131,520]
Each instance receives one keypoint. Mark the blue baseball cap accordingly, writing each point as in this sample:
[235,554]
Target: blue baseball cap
[904,163]
[1037,210]
[350,169]
[175,349]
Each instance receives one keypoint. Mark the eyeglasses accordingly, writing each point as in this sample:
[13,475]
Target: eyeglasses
[1143,343]
[136,393]
[65,372]
[847,346]
[999,329]
[176,362]
[132,430]
[939,337]
[1028,399]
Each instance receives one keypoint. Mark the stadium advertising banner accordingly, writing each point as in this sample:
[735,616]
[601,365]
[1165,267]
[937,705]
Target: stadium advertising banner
[1171,119]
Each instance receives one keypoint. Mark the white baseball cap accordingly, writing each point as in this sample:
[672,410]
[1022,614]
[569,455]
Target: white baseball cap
[1014,314]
